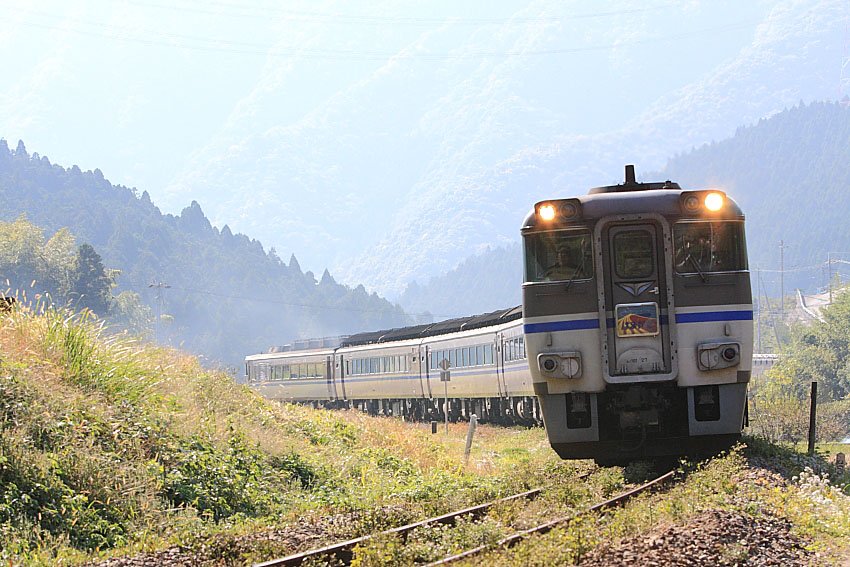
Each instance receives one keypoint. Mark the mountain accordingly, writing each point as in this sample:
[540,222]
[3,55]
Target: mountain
[788,172]
[480,284]
[396,170]
[224,296]
[790,175]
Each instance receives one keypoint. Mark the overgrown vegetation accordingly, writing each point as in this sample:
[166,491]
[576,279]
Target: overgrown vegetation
[819,352]
[110,444]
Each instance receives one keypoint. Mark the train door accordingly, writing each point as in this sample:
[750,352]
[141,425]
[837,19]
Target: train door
[426,388]
[329,364]
[500,365]
[639,299]
[417,364]
[340,376]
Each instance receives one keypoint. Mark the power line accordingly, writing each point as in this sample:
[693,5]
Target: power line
[277,301]
[264,12]
[250,48]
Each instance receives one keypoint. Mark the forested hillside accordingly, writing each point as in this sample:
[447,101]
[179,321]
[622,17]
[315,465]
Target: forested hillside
[227,296]
[789,172]
[791,175]
[485,282]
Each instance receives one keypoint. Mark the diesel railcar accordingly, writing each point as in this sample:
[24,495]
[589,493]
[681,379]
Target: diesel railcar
[634,338]
[637,315]
[397,371]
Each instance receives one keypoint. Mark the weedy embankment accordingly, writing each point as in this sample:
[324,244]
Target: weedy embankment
[114,452]
[114,447]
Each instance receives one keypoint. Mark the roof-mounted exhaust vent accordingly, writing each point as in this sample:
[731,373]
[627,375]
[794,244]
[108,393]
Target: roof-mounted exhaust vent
[630,175]
[631,184]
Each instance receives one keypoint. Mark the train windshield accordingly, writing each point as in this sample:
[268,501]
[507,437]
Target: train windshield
[558,256]
[716,246]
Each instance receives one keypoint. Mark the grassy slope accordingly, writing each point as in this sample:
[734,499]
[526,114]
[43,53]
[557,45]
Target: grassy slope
[108,443]
[111,447]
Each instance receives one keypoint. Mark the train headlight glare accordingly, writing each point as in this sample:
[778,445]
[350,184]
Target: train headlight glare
[547,212]
[692,204]
[714,201]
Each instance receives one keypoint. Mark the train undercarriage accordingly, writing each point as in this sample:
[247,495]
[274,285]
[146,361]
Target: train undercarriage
[519,410]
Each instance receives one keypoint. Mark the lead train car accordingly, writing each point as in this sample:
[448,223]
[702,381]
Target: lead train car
[638,320]
[396,372]
[635,334]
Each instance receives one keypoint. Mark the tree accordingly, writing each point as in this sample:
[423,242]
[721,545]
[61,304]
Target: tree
[91,285]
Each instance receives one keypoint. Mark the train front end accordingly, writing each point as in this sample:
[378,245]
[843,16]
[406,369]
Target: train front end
[637,314]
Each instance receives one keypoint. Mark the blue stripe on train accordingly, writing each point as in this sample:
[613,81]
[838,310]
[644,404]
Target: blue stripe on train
[707,316]
[583,324]
[577,325]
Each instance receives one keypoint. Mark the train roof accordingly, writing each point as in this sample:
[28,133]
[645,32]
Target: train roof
[632,197]
[434,329]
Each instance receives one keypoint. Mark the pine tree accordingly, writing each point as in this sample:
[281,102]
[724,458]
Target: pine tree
[91,285]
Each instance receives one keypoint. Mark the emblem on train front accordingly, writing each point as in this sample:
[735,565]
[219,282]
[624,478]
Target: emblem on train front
[637,319]
[636,288]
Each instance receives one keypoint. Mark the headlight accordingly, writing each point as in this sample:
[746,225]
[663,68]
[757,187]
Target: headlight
[714,201]
[546,212]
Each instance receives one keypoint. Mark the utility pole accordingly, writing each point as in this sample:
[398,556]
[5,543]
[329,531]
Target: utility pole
[758,304]
[782,280]
[829,275]
[158,286]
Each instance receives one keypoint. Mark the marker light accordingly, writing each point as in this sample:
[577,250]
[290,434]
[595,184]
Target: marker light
[569,210]
[714,201]
[546,212]
[692,204]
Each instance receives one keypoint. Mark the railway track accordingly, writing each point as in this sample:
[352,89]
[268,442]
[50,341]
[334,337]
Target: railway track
[513,539]
[343,551]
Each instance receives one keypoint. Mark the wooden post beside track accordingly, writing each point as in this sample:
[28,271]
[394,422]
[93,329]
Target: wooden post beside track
[473,420]
[813,413]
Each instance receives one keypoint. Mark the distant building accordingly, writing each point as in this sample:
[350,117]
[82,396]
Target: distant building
[762,363]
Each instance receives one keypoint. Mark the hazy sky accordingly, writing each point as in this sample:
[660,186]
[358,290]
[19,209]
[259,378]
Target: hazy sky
[248,107]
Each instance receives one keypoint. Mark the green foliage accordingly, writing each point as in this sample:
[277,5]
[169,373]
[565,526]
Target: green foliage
[90,286]
[29,262]
[130,313]
[819,352]
[238,479]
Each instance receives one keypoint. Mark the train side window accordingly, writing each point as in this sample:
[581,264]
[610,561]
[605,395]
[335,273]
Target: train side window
[633,254]
[709,246]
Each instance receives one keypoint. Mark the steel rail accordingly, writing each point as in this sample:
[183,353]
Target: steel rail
[513,539]
[344,550]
